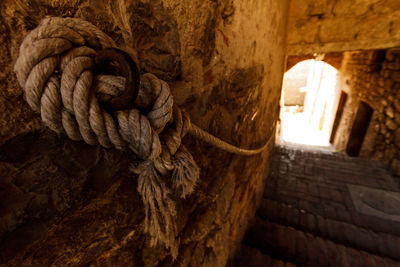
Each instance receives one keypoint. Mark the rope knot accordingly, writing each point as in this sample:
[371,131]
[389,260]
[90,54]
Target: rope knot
[61,67]
[64,67]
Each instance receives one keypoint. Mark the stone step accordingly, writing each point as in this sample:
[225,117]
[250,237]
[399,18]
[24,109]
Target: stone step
[379,243]
[305,249]
[292,153]
[252,257]
[335,205]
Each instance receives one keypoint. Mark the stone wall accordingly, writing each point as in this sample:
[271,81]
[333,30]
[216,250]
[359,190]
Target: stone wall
[342,25]
[373,77]
[66,203]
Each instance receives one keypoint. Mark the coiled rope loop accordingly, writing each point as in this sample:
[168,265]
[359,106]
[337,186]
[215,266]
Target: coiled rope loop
[58,69]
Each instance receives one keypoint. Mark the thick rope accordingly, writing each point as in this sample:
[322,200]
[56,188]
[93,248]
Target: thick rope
[207,137]
[55,68]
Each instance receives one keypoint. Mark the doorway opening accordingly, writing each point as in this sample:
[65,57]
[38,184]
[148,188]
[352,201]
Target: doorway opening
[307,103]
[359,129]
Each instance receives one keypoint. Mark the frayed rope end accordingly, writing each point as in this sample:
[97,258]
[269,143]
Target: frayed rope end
[185,173]
[160,210]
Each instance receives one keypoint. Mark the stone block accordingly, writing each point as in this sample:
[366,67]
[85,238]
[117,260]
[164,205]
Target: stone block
[320,251]
[343,215]
[394,65]
[311,222]
[393,53]
[341,234]
[291,235]
[347,8]
[302,187]
[322,225]
[396,166]
[389,112]
[345,260]
[386,73]
[381,81]
[397,138]
[283,238]
[363,239]
[301,246]
[368,259]
[334,30]
[282,212]
[392,245]
[299,8]
[336,196]
[397,118]
[306,31]
[379,261]
[303,219]
[375,27]
[355,257]
[267,209]
[334,257]
[396,76]
[385,65]
[391,125]
[294,216]
[278,263]
[379,241]
[252,257]
[388,84]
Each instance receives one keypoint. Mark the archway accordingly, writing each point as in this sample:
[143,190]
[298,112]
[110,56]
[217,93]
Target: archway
[307,103]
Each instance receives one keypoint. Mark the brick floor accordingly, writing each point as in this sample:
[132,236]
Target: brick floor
[307,216]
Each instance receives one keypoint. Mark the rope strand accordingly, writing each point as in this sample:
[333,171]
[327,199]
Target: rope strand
[215,141]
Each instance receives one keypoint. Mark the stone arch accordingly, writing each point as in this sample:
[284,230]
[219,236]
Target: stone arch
[334,59]
[309,93]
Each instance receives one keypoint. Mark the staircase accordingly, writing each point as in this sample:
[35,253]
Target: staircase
[324,209]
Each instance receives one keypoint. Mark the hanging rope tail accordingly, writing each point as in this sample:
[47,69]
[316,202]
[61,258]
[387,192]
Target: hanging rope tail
[64,68]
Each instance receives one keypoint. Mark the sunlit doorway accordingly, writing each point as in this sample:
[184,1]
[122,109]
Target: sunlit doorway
[307,103]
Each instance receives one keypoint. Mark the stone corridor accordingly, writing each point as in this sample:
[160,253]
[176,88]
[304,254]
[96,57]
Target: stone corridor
[322,208]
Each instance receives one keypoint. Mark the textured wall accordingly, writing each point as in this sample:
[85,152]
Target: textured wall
[67,203]
[342,25]
[373,77]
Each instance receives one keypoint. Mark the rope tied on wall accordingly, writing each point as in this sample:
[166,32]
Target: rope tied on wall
[58,68]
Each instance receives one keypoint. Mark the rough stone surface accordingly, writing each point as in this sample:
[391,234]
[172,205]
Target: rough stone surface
[363,77]
[342,25]
[66,203]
